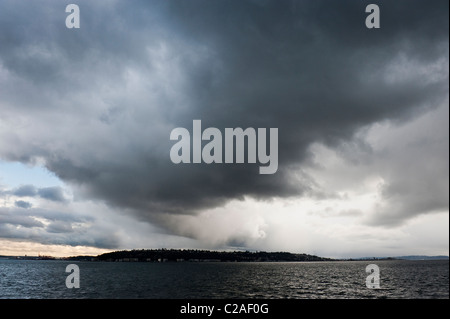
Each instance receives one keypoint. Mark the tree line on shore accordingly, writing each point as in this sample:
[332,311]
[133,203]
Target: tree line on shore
[166,255]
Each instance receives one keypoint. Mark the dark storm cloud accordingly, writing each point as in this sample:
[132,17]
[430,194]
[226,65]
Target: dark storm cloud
[102,100]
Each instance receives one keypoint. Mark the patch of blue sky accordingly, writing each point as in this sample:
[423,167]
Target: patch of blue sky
[14,174]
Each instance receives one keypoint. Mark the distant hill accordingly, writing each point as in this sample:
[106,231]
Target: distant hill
[422,257]
[412,257]
[179,255]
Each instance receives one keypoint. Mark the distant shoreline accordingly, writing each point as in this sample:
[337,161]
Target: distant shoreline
[190,255]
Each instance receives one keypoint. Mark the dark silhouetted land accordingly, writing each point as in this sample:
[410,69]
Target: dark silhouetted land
[179,255]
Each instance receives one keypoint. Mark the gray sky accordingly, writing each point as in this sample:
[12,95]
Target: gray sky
[362,116]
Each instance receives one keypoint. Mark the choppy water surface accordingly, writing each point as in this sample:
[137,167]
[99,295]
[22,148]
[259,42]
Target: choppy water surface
[399,279]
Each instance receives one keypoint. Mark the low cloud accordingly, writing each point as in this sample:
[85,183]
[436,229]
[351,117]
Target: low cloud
[55,193]
[24,191]
[23,204]
[54,227]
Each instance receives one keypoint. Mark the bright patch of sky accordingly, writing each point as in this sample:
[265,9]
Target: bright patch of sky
[14,174]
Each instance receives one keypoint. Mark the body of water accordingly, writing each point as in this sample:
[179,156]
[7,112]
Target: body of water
[341,280]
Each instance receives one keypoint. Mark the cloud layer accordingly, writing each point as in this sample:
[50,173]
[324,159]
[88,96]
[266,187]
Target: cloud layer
[96,105]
